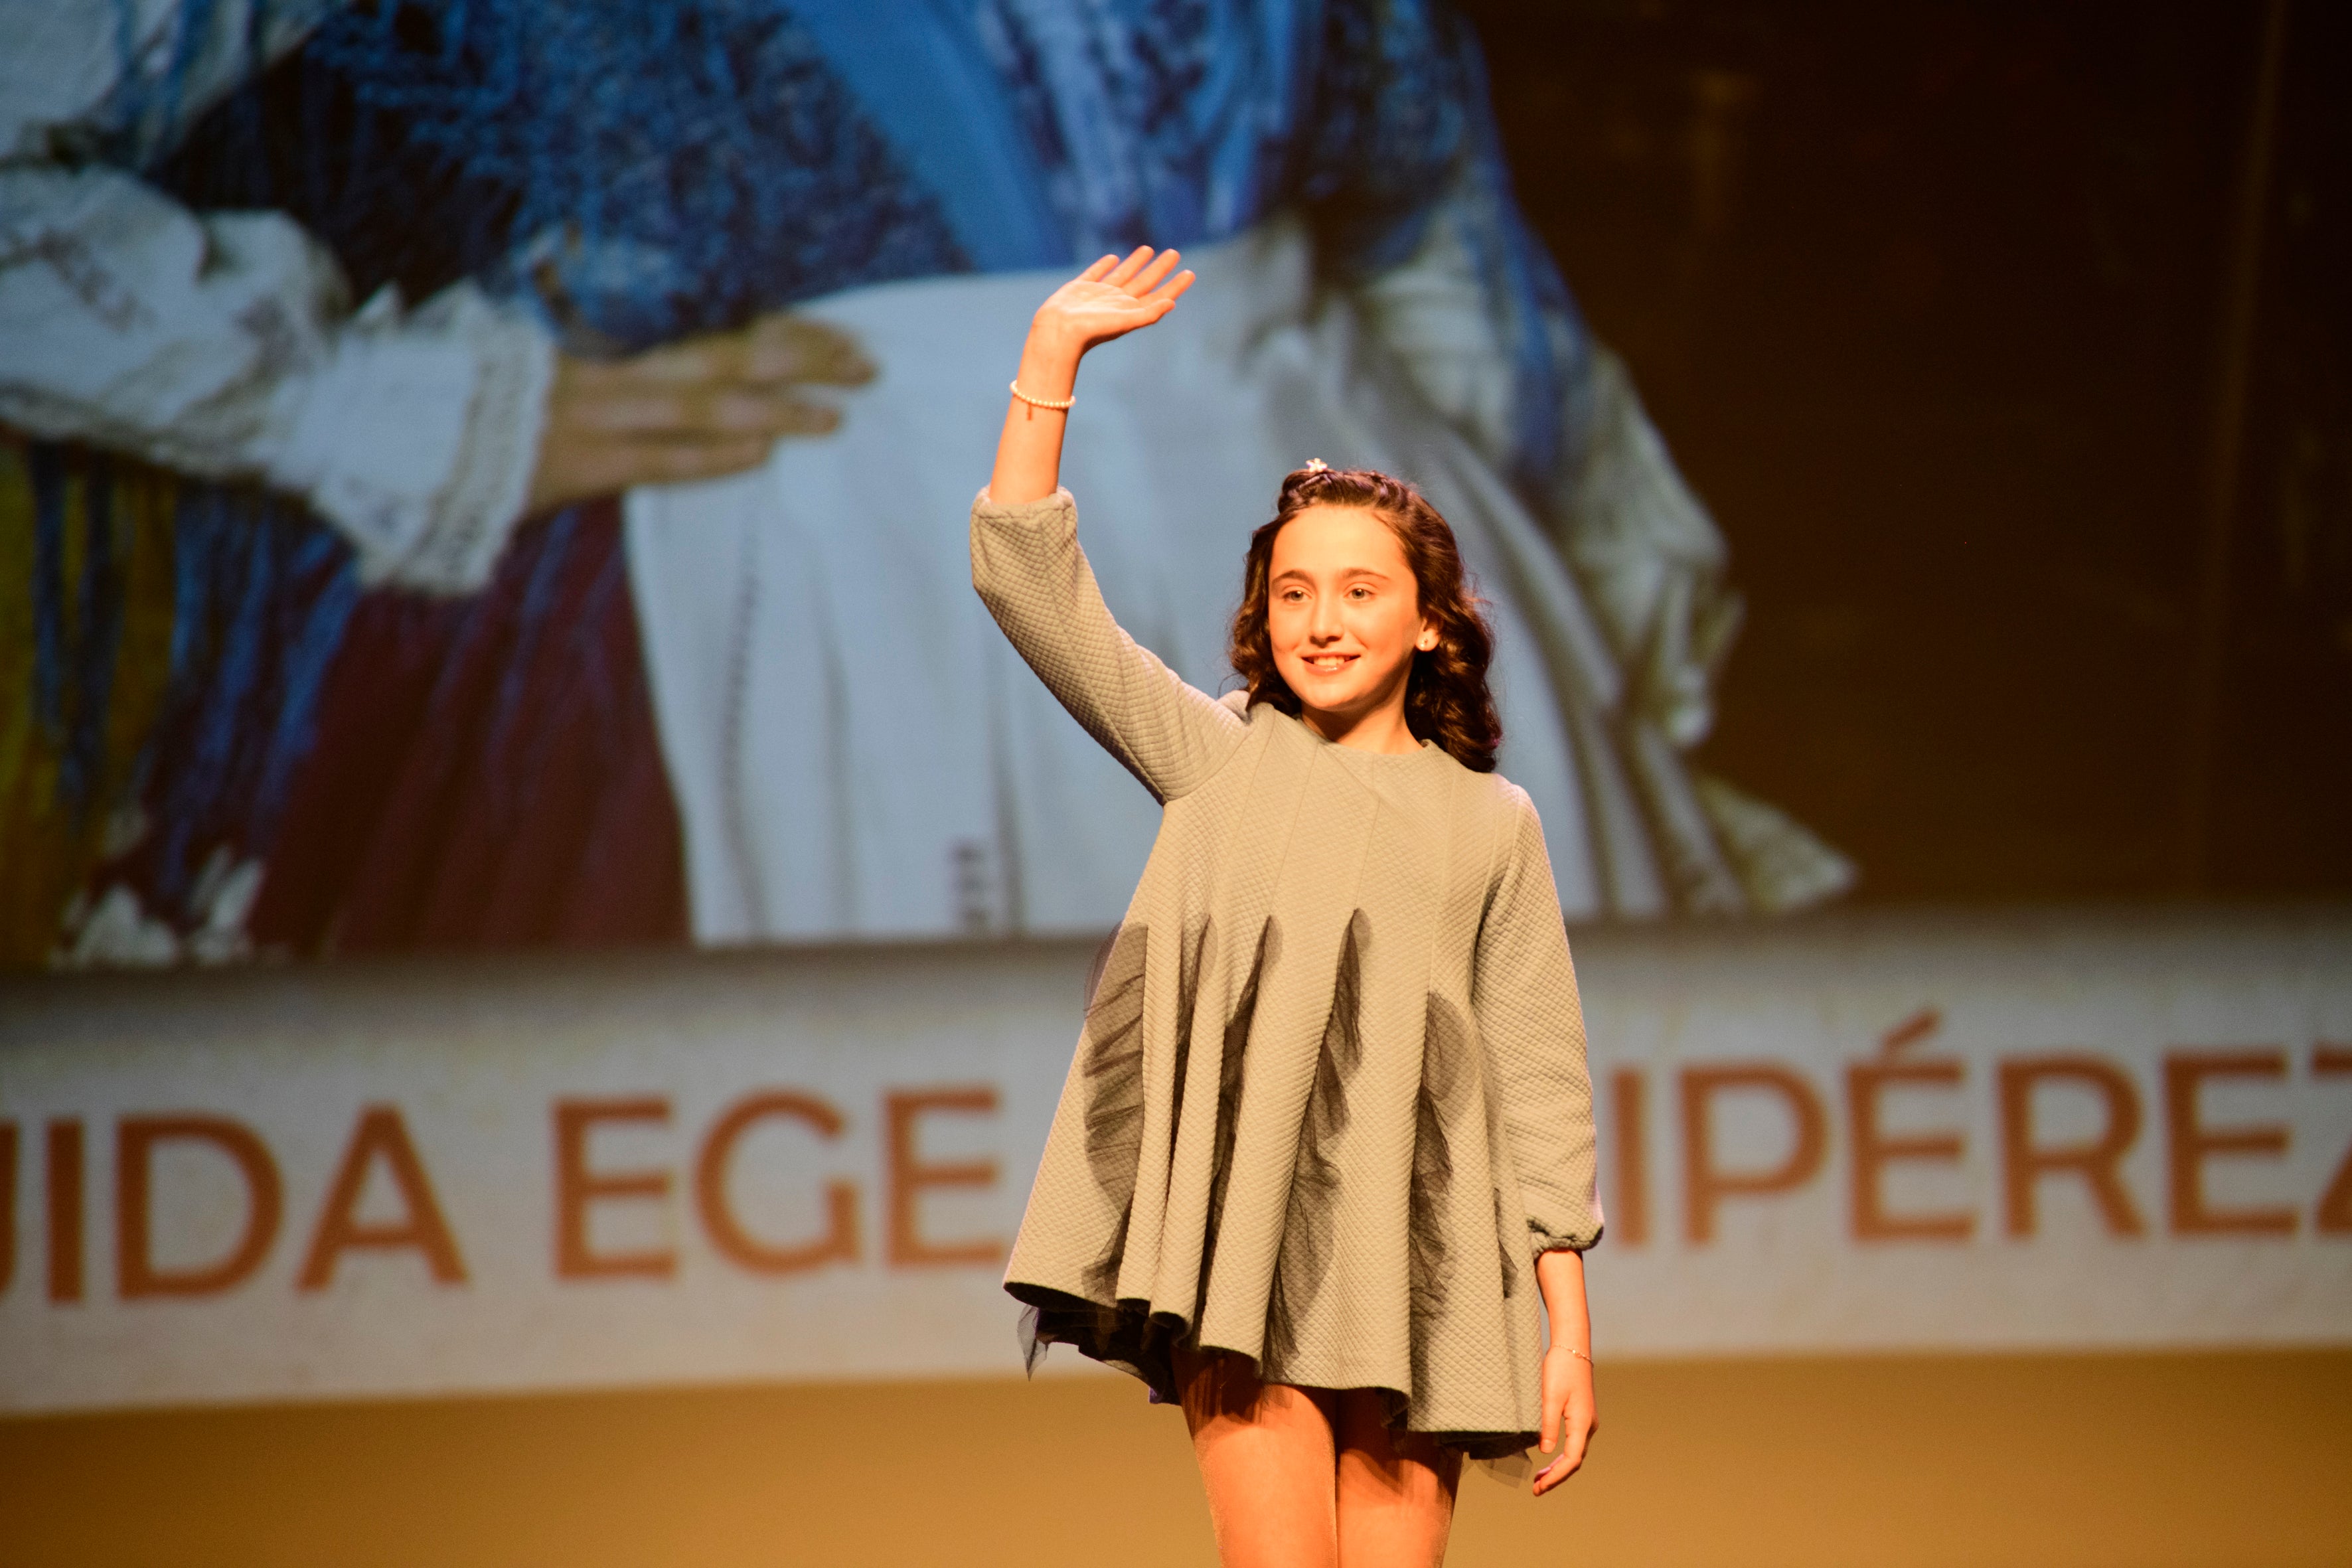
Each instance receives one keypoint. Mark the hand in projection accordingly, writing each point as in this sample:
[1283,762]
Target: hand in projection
[691,410]
[1112,298]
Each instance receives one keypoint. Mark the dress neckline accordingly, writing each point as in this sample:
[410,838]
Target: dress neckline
[1419,753]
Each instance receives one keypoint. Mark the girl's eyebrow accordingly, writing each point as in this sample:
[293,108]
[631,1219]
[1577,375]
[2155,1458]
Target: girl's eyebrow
[1302,575]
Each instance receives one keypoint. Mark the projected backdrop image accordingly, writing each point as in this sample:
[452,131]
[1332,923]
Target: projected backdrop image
[496,475]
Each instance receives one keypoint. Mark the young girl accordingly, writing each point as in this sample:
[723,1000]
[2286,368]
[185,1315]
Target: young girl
[1329,1133]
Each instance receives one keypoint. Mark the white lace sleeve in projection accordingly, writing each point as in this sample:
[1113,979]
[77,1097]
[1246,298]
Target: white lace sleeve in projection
[223,345]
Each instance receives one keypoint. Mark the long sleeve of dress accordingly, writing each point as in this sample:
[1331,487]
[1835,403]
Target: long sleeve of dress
[1524,990]
[1029,570]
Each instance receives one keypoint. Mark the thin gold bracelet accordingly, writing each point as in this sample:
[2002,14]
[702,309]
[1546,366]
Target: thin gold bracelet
[1062,406]
[1574,1352]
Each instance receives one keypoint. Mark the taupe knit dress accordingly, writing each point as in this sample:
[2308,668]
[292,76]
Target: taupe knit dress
[1329,1099]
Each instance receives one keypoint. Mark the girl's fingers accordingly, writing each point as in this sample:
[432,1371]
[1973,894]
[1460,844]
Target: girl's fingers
[1126,270]
[1150,278]
[1146,290]
[1576,1441]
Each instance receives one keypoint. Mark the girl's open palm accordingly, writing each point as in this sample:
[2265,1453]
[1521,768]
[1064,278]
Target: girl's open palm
[1113,297]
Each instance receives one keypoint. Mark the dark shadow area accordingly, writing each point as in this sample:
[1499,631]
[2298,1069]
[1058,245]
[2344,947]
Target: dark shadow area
[1953,312]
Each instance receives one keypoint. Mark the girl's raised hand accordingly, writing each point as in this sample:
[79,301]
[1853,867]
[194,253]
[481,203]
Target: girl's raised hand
[1109,300]
[1112,298]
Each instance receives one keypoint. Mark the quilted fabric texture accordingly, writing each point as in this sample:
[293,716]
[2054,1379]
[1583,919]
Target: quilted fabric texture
[1329,1099]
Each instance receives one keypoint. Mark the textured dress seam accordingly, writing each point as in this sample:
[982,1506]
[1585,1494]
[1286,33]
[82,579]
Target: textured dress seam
[1185,1045]
[1445,885]
[1486,907]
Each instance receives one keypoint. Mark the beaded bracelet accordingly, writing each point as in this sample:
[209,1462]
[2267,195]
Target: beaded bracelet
[1060,407]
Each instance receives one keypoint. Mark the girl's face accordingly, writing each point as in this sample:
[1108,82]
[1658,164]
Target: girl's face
[1343,612]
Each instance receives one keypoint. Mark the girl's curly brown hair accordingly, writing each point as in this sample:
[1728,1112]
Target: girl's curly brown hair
[1445,696]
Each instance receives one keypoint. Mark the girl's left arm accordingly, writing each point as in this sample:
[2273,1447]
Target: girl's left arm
[1571,1412]
[1532,1023]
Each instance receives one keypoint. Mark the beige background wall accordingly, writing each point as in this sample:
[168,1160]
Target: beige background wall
[2133,1461]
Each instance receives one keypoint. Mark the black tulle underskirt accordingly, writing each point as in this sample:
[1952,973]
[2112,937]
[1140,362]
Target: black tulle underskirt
[1144,1344]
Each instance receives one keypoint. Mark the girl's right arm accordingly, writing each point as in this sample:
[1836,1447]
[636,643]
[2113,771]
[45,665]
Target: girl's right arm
[1109,300]
[1027,565]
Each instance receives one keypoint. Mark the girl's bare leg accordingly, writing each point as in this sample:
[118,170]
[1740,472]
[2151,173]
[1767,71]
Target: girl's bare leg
[1266,1460]
[1395,1490]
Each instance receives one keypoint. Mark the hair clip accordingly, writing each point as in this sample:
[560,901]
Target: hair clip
[1317,466]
